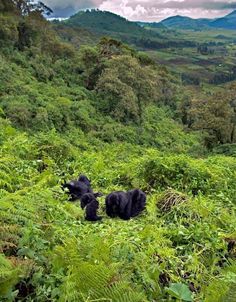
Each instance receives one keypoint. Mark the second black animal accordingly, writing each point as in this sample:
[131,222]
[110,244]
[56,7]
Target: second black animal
[125,204]
[91,205]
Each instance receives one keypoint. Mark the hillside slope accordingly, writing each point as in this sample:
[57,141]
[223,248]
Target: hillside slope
[227,22]
[187,23]
[181,22]
[49,252]
[103,23]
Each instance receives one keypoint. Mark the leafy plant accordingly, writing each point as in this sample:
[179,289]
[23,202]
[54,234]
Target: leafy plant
[180,291]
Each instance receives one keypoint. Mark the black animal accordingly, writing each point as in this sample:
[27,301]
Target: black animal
[138,198]
[91,205]
[77,188]
[116,203]
[125,204]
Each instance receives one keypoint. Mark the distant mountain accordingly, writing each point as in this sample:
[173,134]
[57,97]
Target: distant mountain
[152,25]
[181,22]
[227,22]
[139,34]
[105,22]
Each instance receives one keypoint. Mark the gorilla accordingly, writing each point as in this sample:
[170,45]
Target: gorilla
[116,203]
[138,198]
[91,205]
[77,188]
[125,204]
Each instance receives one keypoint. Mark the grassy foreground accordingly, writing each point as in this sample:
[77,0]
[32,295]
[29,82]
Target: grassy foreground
[171,253]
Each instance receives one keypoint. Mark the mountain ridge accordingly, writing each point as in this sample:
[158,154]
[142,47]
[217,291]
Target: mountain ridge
[227,22]
[184,22]
[103,23]
[109,22]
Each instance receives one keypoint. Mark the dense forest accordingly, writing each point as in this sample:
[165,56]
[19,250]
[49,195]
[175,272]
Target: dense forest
[76,101]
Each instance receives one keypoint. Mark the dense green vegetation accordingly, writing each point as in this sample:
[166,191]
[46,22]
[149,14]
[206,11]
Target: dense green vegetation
[106,23]
[114,114]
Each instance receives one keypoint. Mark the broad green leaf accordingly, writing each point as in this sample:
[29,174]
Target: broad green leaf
[180,291]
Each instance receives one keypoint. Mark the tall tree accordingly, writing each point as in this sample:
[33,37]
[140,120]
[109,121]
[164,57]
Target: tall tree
[6,6]
[24,7]
[216,116]
[126,87]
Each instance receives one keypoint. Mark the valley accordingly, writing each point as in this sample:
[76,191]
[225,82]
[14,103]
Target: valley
[195,54]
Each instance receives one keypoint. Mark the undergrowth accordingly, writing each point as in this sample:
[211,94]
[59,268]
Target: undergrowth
[177,251]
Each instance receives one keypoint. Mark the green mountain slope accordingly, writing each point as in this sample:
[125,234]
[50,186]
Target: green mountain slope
[152,25]
[227,22]
[103,23]
[75,35]
[181,22]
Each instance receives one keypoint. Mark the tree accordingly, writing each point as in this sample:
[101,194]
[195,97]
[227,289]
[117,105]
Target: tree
[25,7]
[126,87]
[109,47]
[22,21]
[8,31]
[216,116]
[91,66]
[6,6]
[94,59]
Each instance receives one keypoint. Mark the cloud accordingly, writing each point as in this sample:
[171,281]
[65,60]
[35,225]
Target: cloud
[125,8]
[155,10]
[65,8]
[77,4]
[150,10]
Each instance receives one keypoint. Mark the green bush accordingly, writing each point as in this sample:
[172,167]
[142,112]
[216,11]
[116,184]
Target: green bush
[206,176]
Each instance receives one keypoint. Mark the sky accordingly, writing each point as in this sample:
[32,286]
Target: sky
[146,10]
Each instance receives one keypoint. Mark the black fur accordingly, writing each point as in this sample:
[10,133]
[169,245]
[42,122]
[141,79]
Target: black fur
[77,188]
[125,204]
[85,180]
[138,198]
[91,205]
[115,202]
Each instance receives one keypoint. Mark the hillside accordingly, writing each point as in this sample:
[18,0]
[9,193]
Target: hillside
[71,106]
[77,36]
[103,23]
[228,22]
[152,25]
[181,22]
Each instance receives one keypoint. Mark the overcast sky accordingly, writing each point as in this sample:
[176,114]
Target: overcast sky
[146,10]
